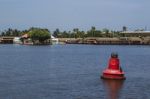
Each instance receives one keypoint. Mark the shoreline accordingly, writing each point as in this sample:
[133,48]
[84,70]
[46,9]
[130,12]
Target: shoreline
[91,40]
[108,41]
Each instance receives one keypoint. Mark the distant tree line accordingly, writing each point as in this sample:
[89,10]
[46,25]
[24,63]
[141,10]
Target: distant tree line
[11,32]
[75,33]
[16,32]
[93,32]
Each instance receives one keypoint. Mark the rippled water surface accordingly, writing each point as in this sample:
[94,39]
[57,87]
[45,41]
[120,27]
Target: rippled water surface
[72,72]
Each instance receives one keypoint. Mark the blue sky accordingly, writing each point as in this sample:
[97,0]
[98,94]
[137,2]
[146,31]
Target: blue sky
[69,14]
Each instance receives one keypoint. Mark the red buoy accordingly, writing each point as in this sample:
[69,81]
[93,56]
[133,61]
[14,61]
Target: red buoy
[113,71]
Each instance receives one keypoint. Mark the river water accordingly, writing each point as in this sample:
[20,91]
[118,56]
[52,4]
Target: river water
[72,72]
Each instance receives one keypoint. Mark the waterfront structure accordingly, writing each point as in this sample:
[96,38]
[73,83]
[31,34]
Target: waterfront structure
[135,33]
[17,40]
[6,40]
[110,41]
[26,39]
[54,40]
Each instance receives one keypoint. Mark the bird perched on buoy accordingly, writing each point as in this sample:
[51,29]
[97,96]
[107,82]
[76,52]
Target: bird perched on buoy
[114,70]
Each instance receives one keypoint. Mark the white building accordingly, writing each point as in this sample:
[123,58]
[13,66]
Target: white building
[136,33]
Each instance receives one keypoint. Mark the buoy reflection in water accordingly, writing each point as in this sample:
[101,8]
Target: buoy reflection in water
[113,88]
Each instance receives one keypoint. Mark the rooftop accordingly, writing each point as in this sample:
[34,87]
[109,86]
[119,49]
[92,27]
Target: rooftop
[136,32]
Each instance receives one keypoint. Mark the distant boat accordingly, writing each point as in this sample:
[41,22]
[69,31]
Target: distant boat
[17,40]
[54,40]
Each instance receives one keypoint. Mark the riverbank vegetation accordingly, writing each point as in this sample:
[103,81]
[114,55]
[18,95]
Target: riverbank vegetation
[75,33]
[93,32]
[33,35]
[40,36]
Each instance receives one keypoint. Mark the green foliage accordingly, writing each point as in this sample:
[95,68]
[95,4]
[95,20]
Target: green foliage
[56,33]
[43,34]
[11,32]
[94,33]
[39,34]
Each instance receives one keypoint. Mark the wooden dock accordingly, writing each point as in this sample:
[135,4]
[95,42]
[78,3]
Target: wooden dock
[6,40]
